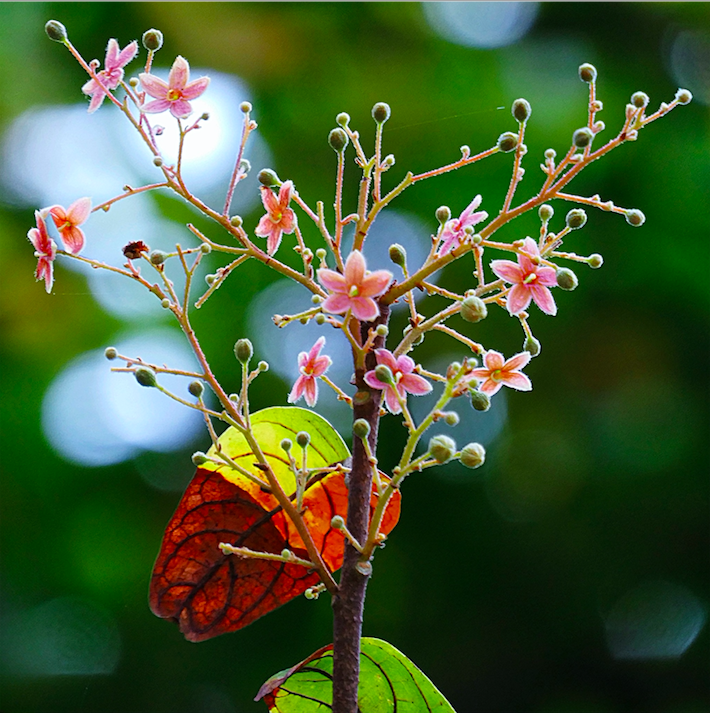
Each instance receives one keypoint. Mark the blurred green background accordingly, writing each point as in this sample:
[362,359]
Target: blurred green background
[570,573]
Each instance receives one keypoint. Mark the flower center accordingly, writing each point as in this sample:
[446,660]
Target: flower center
[276,217]
[353,291]
[496,375]
[530,279]
[173,95]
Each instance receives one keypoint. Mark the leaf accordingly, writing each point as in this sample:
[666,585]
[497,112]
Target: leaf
[209,593]
[389,683]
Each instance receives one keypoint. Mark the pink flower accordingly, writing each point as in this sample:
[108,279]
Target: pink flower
[174,95]
[116,60]
[498,372]
[455,230]
[67,222]
[45,250]
[404,380]
[355,289]
[279,217]
[530,281]
[311,366]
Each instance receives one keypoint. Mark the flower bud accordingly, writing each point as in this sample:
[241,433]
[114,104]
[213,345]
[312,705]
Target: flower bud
[110,353]
[595,261]
[337,522]
[442,448]
[210,279]
[145,376]
[507,141]
[451,418]
[157,161]
[398,254]
[236,221]
[388,161]
[576,218]
[473,309]
[683,96]
[639,99]
[382,330]
[587,72]
[158,257]
[199,458]
[320,318]
[443,213]
[550,154]
[479,400]
[245,107]
[205,248]
[56,31]
[338,140]
[263,366]
[532,346]
[342,119]
[381,112]
[245,166]
[582,137]
[286,444]
[303,438]
[473,455]
[384,374]
[196,388]
[364,568]
[361,428]
[545,211]
[152,40]
[635,217]
[566,279]
[134,82]
[521,110]
[205,117]
[243,350]
[165,303]
[268,178]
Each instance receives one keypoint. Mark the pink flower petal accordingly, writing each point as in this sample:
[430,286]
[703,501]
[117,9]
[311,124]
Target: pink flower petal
[196,88]
[285,193]
[490,387]
[392,401]
[375,283]
[517,362]
[315,349]
[180,108]
[507,270]
[332,280]
[364,308]
[405,364]
[274,240]
[546,276]
[311,392]
[302,360]
[156,107]
[265,226]
[321,365]
[372,381]
[154,86]
[519,298]
[79,211]
[543,299]
[415,384]
[355,268]
[336,304]
[493,360]
[297,390]
[112,51]
[470,208]
[73,239]
[386,358]
[127,54]
[516,380]
[45,270]
[179,73]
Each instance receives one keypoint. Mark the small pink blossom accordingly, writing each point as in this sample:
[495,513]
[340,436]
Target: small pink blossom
[529,280]
[45,249]
[311,365]
[174,95]
[354,290]
[404,380]
[455,230]
[496,372]
[67,222]
[116,60]
[279,217]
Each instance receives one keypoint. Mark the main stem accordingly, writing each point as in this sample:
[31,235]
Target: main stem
[349,600]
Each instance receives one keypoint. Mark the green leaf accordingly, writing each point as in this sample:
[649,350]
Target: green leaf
[389,683]
[270,427]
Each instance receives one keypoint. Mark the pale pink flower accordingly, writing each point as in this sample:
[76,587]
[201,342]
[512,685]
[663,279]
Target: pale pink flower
[404,380]
[497,372]
[311,365]
[279,217]
[67,222]
[176,94]
[354,290]
[116,60]
[530,281]
[45,250]
[455,229]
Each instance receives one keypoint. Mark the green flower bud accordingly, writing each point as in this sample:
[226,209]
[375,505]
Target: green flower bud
[152,40]
[576,218]
[361,428]
[683,96]
[205,116]
[382,330]
[587,72]
[165,303]
[639,99]
[210,279]
[244,165]
[381,112]
[443,213]
[337,522]
[263,366]
[268,178]
[320,318]
[384,374]
[157,161]
[532,346]
[110,353]
[245,107]
[243,350]
[286,444]
[310,594]
[303,438]
[145,376]
[398,254]
[550,154]
[521,110]
[338,140]
[473,309]
[442,448]
[479,400]
[507,141]
[545,211]
[205,248]
[635,217]
[595,261]
[158,257]
[342,119]
[196,388]
[56,31]
[199,458]
[236,221]
[566,279]
[473,455]
[451,418]
[582,137]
